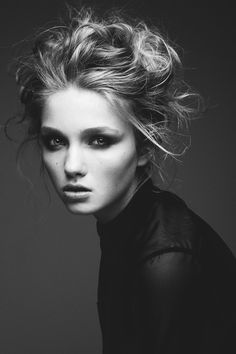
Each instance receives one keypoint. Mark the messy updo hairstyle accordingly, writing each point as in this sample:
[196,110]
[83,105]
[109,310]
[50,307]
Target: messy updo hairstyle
[126,61]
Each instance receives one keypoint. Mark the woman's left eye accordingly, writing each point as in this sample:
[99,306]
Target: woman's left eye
[100,141]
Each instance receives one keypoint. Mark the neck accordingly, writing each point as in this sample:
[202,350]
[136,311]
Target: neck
[112,211]
[107,215]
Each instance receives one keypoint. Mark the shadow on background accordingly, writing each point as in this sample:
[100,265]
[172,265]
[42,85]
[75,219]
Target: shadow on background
[49,258]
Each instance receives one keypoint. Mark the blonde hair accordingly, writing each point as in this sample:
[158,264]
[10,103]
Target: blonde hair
[133,65]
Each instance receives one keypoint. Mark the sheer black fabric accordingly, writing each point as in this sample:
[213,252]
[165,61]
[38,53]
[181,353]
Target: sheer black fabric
[167,281]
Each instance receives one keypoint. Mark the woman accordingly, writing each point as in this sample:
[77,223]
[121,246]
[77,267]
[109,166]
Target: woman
[105,101]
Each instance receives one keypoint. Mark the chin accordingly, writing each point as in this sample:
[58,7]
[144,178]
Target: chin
[80,209]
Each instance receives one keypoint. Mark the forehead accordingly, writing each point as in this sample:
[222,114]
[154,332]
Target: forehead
[74,108]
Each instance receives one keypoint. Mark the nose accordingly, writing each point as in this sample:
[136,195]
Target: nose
[74,164]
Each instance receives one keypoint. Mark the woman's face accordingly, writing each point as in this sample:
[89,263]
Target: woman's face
[89,152]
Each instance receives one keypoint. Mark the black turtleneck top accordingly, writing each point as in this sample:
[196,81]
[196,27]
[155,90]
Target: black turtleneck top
[167,281]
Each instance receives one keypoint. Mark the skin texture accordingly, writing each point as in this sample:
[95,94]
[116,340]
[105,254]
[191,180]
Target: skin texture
[104,159]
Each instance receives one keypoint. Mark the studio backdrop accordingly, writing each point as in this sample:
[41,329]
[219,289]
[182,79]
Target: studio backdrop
[49,258]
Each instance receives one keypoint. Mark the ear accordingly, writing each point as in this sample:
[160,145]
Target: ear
[144,157]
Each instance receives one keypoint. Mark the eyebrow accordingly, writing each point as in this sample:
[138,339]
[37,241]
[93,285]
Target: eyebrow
[94,130]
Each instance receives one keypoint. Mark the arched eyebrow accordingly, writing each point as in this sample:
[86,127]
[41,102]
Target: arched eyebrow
[93,130]
[45,130]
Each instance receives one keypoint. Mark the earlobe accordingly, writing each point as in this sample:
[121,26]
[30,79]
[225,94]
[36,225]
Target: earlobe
[143,159]
[145,155]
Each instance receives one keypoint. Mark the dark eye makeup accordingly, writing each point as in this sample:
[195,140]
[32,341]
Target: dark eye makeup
[100,141]
[54,141]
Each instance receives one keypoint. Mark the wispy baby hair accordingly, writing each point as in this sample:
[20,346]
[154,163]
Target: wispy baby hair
[129,63]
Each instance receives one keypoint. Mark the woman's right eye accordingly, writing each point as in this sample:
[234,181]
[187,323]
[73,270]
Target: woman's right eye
[53,142]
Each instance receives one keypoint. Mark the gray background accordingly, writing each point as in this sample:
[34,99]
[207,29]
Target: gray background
[49,258]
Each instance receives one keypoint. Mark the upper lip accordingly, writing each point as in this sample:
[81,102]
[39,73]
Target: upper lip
[75,188]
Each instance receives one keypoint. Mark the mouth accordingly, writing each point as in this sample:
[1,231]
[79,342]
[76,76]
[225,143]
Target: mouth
[75,188]
[75,192]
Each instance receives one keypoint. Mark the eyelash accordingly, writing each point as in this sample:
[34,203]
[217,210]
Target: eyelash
[106,141]
[49,142]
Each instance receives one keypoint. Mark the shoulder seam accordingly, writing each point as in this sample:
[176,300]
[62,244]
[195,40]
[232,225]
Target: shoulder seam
[168,250]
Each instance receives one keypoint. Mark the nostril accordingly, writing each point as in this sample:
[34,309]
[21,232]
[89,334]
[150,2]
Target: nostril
[74,173]
[74,169]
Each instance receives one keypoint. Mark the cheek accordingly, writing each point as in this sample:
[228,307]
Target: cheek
[52,165]
[118,164]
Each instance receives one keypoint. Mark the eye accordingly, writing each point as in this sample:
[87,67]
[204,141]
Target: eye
[52,142]
[100,141]
[55,141]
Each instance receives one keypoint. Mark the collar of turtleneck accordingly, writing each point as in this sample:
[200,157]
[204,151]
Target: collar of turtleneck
[120,231]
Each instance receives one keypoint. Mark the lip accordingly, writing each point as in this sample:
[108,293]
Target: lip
[75,192]
[74,196]
[75,188]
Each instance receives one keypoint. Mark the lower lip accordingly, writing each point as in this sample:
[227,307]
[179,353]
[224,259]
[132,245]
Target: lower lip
[76,196]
